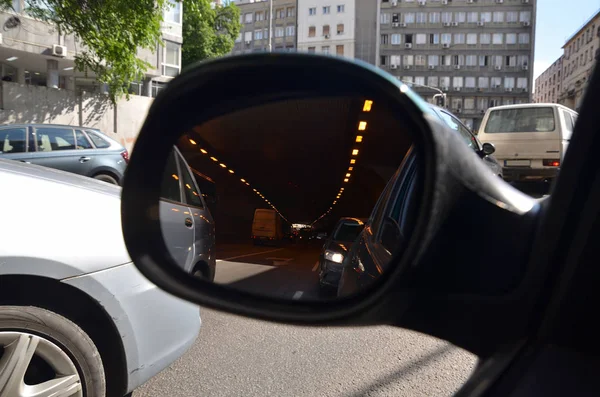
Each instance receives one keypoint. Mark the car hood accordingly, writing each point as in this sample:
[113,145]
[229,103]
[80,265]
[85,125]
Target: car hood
[58,224]
[338,246]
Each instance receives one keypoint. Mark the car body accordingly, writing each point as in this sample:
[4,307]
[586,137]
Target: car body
[186,220]
[530,139]
[336,248]
[453,122]
[62,243]
[81,150]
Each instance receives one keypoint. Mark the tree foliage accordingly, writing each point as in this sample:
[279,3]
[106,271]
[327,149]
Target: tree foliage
[111,32]
[208,32]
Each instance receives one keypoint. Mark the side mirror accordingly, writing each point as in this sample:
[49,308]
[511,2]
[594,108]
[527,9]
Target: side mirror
[488,149]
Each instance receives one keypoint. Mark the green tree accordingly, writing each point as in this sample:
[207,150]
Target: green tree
[208,31]
[111,32]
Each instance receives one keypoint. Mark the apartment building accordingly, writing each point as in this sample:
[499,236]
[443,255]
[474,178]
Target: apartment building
[548,85]
[35,53]
[254,35]
[478,52]
[580,53]
[342,27]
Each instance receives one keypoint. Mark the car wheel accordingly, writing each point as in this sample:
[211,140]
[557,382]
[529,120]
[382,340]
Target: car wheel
[45,354]
[106,178]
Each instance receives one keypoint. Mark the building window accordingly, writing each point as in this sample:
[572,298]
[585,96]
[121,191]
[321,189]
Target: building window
[433,60]
[312,31]
[382,60]
[312,50]
[384,18]
[395,18]
[525,16]
[258,35]
[483,82]
[523,38]
[456,101]
[420,60]
[259,16]
[496,82]
[341,8]
[409,17]
[469,102]
[396,39]
[523,60]
[457,81]
[446,17]
[408,60]
[420,80]
[279,31]
[340,28]
[497,38]
[522,83]
[510,60]
[247,37]
[472,38]
[444,81]
[485,17]
[248,17]
[421,17]
[339,50]
[460,17]
[291,12]
[325,30]
[172,59]
[406,79]
[471,60]
[509,82]
[485,38]
[408,39]
[395,60]
[432,81]
[384,39]
[421,38]
[325,49]
[312,11]
[280,13]
[459,38]
[434,17]
[497,60]
[434,38]
[446,60]
[511,38]
[512,16]
[498,16]
[171,14]
[290,31]
[472,17]
[458,59]
[326,10]
[446,38]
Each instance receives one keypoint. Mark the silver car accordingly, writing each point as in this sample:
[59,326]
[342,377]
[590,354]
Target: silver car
[76,316]
[81,150]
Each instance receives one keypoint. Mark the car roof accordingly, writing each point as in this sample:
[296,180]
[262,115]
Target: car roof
[50,125]
[531,105]
[351,219]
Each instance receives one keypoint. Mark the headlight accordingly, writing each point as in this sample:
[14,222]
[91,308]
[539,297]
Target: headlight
[334,256]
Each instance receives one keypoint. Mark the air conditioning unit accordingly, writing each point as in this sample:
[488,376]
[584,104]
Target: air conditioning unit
[445,2]
[524,89]
[525,67]
[326,36]
[525,1]
[402,25]
[248,42]
[408,45]
[509,90]
[392,66]
[445,45]
[406,67]
[456,88]
[497,67]
[456,67]
[422,2]
[394,3]
[59,50]
[431,66]
[526,23]
[459,109]
[480,23]
[499,1]
[446,24]
[445,88]
[454,23]
[470,1]
[395,24]
[479,89]
[497,86]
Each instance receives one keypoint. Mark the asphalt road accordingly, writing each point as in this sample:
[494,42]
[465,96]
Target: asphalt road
[235,356]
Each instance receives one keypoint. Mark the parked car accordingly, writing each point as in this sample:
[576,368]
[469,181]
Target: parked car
[187,223]
[336,248]
[530,139]
[71,296]
[483,150]
[81,150]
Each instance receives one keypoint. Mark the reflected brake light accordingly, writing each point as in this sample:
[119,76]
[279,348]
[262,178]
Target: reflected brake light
[125,155]
[551,163]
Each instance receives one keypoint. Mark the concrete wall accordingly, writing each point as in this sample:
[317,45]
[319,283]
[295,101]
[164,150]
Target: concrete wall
[34,104]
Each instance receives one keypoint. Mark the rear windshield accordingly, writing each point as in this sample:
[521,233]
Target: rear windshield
[99,142]
[348,232]
[534,119]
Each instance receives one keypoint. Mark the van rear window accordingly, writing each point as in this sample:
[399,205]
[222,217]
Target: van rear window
[534,119]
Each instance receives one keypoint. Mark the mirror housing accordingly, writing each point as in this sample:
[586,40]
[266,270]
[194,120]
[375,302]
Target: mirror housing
[488,149]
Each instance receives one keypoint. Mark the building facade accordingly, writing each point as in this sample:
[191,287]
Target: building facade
[34,53]
[579,58]
[254,35]
[548,85]
[478,52]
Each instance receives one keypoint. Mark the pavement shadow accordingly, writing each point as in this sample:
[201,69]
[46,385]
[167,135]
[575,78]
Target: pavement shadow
[402,372]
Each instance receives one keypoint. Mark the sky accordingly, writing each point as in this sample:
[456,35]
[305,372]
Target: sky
[556,21]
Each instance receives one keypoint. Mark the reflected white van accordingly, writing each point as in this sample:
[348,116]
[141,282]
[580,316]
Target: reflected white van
[530,139]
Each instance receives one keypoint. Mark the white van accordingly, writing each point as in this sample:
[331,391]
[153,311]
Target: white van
[266,227]
[530,139]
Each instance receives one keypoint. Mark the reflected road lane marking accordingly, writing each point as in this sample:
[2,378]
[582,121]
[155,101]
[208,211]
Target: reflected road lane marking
[253,254]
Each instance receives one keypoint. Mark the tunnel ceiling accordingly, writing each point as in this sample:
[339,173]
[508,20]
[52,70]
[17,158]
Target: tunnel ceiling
[296,154]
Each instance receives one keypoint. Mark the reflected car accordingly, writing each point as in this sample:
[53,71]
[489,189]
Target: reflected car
[81,150]
[71,293]
[484,151]
[387,230]
[334,250]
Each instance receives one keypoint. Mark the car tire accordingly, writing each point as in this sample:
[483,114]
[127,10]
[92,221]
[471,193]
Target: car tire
[106,178]
[53,344]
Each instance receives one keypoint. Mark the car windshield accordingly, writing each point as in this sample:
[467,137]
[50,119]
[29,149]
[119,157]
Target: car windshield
[348,231]
[528,119]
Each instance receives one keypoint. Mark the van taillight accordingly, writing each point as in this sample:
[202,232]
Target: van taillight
[125,155]
[551,163]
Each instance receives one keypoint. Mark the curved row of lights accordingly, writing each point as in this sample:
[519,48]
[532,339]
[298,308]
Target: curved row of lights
[242,180]
[359,138]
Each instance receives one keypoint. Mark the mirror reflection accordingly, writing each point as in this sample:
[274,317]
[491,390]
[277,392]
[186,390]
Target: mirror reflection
[298,199]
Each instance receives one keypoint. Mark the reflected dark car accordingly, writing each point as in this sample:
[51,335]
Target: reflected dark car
[387,230]
[335,249]
[485,152]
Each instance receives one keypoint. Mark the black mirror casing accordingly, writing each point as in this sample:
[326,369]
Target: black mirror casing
[453,182]
[488,149]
